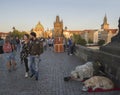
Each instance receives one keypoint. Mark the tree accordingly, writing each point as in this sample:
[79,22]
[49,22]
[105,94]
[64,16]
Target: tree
[78,40]
[83,42]
[16,33]
[90,41]
[101,42]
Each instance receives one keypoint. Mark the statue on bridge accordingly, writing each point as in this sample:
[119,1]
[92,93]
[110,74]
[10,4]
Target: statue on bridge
[119,24]
[117,37]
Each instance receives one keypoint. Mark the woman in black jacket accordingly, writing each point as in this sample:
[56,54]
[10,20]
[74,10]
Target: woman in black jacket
[25,52]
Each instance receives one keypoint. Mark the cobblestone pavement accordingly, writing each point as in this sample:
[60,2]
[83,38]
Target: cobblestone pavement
[52,69]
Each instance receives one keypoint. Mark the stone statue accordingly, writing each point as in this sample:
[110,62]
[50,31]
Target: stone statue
[119,24]
[117,37]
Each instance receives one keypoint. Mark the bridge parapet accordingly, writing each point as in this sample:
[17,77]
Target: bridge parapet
[111,63]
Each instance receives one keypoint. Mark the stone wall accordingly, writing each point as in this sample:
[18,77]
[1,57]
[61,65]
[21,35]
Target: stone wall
[86,54]
[110,62]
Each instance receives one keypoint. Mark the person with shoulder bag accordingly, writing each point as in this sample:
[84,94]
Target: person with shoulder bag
[8,49]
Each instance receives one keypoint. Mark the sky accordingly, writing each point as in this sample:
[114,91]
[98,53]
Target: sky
[76,14]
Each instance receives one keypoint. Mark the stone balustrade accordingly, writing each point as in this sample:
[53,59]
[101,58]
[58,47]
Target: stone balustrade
[110,62]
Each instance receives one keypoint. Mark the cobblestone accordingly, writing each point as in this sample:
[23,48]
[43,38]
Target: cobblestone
[52,69]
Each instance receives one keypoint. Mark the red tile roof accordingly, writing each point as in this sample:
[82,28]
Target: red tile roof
[112,30]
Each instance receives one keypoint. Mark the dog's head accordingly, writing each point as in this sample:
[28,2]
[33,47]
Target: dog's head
[74,74]
[89,84]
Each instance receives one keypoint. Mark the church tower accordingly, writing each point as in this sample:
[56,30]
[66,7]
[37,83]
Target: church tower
[105,25]
[58,27]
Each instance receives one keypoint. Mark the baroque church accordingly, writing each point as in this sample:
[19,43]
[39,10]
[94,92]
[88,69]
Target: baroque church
[39,30]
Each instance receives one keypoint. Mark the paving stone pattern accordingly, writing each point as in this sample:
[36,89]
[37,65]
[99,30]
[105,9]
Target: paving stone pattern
[52,69]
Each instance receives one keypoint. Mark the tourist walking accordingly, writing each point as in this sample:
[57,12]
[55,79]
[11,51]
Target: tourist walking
[24,53]
[1,46]
[8,49]
[69,46]
[34,57]
[50,43]
[17,44]
[44,44]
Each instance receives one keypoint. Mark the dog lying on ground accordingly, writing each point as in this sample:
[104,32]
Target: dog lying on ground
[81,72]
[98,82]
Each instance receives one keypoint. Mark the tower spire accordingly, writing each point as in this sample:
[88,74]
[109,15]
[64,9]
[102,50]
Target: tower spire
[105,19]
[57,18]
[105,25]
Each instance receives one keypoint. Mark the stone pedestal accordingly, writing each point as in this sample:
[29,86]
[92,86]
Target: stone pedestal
[58,48]
[58,44]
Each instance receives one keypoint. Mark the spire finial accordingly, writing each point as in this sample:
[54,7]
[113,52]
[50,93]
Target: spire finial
[105,19]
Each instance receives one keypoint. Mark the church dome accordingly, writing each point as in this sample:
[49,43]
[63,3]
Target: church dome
[39,27]
[39,30]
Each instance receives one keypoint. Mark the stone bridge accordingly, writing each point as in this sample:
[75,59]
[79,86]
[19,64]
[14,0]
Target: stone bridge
[52,69]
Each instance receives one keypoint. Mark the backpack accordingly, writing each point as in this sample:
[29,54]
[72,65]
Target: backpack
[7,47]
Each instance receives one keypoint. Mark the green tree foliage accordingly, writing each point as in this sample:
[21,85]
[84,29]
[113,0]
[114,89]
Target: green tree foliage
[17,33]
[90,41]
[78,40]
[101,42]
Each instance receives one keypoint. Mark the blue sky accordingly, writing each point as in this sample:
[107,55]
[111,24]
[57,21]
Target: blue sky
[76,14]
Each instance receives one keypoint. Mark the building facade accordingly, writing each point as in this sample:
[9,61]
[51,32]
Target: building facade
[3,35]
[105,33]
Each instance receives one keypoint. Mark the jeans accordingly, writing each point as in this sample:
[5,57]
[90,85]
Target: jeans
[34,64]
[26,64]
[18,47]
[9,56]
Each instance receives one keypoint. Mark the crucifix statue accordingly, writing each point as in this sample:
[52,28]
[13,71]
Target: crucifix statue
[119,26]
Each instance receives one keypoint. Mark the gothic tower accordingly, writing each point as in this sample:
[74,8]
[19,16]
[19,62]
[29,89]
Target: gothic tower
[105,25]
[58,27]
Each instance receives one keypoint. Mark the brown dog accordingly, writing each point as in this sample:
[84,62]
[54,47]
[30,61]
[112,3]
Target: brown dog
[99,82]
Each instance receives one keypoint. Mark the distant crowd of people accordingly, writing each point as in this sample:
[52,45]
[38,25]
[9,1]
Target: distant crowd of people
[30,48]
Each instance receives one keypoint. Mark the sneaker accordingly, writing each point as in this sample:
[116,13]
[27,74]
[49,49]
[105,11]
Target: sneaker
[26,74]
[31,75]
